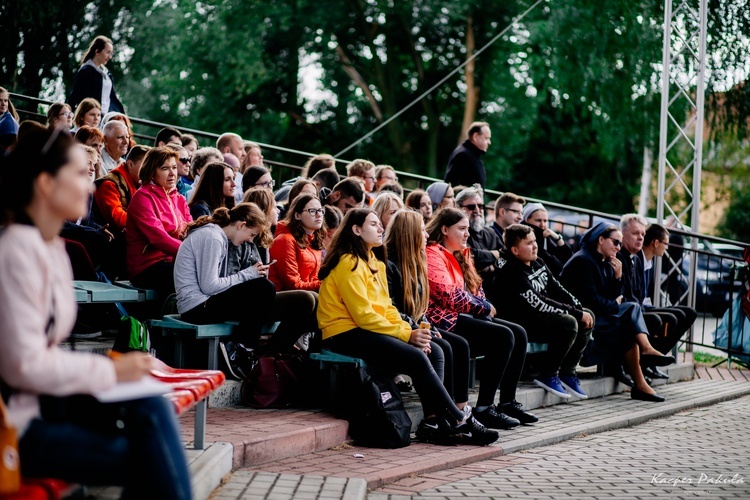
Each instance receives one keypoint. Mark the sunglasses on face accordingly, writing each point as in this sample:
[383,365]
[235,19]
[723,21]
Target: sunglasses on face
[473,206]
[186,160]
[616,242]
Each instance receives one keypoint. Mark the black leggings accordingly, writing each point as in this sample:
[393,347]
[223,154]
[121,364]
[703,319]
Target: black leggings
[396,356]
[503,345]
[456,352]
[297,312]
[249,303]
[159,277]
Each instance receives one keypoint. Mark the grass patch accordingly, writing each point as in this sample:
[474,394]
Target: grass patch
[704,358]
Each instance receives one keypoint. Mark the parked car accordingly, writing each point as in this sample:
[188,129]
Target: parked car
[717,278]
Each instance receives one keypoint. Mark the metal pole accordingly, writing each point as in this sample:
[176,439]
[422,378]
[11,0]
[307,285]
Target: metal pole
[663,123]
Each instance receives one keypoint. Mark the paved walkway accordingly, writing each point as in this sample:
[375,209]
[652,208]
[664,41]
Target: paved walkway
[422,469]
[696,453]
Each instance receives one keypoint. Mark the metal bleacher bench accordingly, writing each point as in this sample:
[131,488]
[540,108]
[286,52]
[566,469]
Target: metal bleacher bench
[331,360]
[172,325]
[95,292]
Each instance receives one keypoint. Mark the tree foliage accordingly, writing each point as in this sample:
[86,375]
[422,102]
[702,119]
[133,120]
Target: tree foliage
[571,92]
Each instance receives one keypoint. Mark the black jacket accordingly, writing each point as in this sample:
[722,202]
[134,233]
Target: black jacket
[590,278]
[465,166]
[633,276]
[88,83]
[396,290]
[526,293]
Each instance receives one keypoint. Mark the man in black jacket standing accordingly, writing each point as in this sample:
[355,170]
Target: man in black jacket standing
[465,165]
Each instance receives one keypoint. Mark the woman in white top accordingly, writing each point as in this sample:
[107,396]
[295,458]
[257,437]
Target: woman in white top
[94,79]
[136,444]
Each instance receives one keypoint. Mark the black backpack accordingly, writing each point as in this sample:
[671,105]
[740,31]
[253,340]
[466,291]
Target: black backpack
[374,409]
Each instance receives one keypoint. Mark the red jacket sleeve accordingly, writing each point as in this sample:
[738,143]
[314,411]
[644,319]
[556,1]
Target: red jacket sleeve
[107,198]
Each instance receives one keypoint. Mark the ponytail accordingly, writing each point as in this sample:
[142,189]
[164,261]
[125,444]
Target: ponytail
[249,213]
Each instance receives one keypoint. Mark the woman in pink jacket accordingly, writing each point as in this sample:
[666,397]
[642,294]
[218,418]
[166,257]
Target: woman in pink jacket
[135,444]
[157,218]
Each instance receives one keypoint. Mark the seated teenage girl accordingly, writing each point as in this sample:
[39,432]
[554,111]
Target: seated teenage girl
[458,305]
[405,240]
[298,245]
[358,319]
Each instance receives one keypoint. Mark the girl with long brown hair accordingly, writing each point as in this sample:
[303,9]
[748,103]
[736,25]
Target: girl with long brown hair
[458,305]
[94,79]
[298,246]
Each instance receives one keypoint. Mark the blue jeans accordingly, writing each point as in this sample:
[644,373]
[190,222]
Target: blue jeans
[134,444]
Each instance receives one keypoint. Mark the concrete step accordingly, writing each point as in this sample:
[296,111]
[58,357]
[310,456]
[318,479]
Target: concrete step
[557,423]
[262,436]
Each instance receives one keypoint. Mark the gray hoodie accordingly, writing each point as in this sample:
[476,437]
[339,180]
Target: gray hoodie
[201,268]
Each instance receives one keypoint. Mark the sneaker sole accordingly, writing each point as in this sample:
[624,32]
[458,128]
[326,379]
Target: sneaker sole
[573,392]
[563,395]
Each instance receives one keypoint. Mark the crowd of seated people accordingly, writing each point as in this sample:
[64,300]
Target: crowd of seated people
[417,285]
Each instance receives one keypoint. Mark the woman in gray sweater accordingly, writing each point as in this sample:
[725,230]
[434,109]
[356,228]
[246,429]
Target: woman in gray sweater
[211,288]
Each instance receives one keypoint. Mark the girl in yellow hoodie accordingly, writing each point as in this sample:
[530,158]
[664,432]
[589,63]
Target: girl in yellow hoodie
[358,319]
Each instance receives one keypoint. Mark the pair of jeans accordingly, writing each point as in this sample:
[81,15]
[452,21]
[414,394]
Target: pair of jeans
[249,303]
[134,444]
[396,356]
[566,340]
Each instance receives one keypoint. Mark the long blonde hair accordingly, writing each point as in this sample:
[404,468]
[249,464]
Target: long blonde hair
[404,243]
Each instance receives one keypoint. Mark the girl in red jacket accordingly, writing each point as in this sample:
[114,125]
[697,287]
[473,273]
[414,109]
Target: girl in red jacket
[297,247]
[458,305]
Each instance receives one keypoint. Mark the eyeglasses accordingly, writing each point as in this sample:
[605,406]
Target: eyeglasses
[473,206]
[186,160]
[369,178]
[666,243]
[66,114]
[513,210]
[315,211]
[616,242]
[269,184]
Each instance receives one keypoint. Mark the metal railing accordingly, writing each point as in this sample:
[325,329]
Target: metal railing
[714,291]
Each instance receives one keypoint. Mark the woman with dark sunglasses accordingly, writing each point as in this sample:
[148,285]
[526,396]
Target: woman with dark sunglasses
[594,276]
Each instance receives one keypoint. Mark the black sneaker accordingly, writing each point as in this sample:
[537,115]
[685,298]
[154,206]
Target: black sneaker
[494,420]
[83,330]
[232,360]
[436,430]
[474,432]
[515,410]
